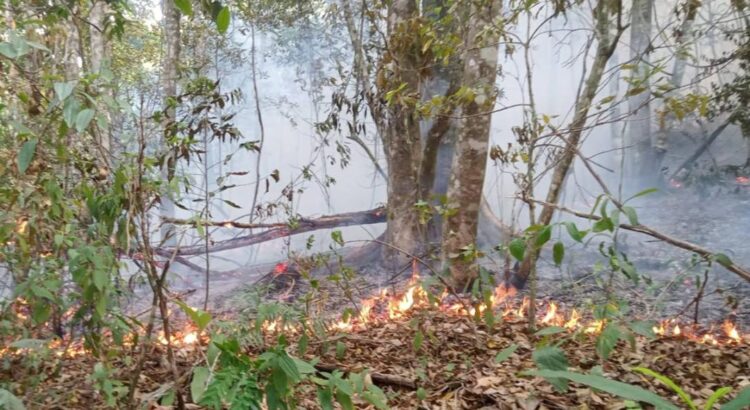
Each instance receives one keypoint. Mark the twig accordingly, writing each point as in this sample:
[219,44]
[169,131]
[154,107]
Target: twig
[640,228]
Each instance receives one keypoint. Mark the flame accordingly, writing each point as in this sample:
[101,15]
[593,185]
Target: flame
[675,183]
[742,180]
[551,315]
[731,330]
[190,338]
[572,323]
[595,327]
[676,331]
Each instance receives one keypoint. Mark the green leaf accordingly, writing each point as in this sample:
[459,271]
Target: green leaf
[63,90]
[337,237]
[222,20]
[344,400]
[607,340]
[604,224]
[517,248]
[573,231]
[624,390]
[632,215]
[83,119]
[558,253]
[742,401]
[325,398]
[544,236]
[552,330]
[552,358]
[643,328]
[26,155]
[722,259]
[8,50]
[289,367]
[669,383]
[9,401]
[185,6]
[716,396]
[198,384]
[642,193]
[506,353]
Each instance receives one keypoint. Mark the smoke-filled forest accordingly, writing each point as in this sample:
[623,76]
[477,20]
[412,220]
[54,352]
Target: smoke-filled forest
[375,204]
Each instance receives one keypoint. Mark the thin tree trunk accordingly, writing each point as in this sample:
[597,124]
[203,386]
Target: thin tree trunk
[678,73]
[639,165]
[170,62]
[605,48]
[99,56]
[469,164]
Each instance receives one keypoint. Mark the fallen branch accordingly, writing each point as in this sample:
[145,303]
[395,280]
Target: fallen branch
[689,246]
[372,216]
[377,378]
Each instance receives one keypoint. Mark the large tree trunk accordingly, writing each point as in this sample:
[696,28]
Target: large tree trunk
[639,169]
[469,163]
[170,61]
[606,46]
[402,140]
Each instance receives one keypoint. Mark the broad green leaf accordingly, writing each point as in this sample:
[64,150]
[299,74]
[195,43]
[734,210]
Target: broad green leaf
[83,119]
[344,400]
[222,20]
[289,367]
[558,253]
[552,358]
[63,90]
[742,401]
[544,236]
[517,248]
[185,6]
[552,330]
[624,390]
[669,383]
[198,384]
[376,397]
[8,50]
[325,398]
[604,224]
[26,155]
[506,353]
[9,401]
[643,328]
[607,340]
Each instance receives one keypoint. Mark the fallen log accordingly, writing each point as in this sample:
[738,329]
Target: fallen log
[372,216]
[381,379]
[689,246]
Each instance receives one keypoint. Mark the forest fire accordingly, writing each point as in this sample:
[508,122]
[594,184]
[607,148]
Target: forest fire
[385,307]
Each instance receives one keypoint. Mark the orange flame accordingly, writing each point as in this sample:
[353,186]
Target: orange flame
[731,331]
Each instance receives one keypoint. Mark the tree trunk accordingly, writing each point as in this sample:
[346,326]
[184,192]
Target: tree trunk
[678,72]
[402,141]
[98,57]
[170,61]
[639,167]
[469,163]
[605,48]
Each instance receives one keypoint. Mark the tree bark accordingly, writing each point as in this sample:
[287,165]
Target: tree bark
[99,56]
[640,164]
[469,163]
[170,62]
[606,45]
[373,216]
[402,141]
